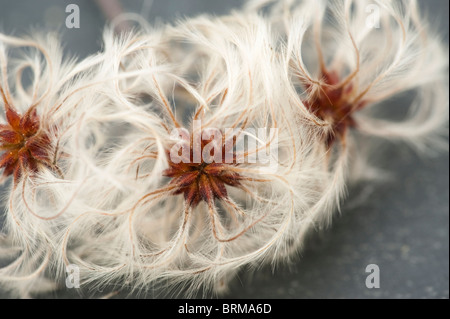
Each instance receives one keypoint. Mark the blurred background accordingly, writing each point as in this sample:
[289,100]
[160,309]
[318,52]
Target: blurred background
[402,225]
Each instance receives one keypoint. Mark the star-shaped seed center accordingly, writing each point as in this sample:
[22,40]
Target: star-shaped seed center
[333,102]
[205,181]
[23,146]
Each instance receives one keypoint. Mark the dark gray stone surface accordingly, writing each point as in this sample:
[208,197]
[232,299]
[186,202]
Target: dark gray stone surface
[401,225]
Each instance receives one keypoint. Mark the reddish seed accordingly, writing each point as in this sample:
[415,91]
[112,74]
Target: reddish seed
[333,104]
[202,181]
[22,145]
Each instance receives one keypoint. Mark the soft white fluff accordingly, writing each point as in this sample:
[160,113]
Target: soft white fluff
[140,233]
[402,57]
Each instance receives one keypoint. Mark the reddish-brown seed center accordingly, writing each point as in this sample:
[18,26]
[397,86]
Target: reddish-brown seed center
[332,102]
[23,146]
[202,181]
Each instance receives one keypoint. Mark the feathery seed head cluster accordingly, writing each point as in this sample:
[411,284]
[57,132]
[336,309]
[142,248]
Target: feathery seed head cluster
[123,164]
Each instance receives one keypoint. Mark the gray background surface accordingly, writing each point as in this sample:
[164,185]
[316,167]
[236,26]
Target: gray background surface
[402,225]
